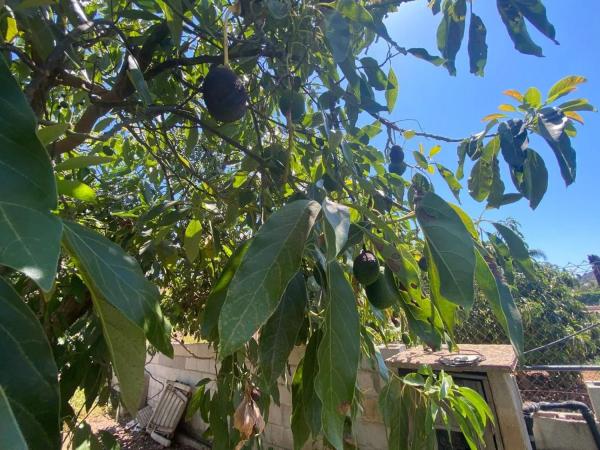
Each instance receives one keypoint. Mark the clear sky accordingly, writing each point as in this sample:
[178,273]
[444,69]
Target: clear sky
[566,225]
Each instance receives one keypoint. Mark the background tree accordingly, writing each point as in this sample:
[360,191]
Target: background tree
[245,200]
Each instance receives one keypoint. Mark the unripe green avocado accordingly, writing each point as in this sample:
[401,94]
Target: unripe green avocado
[224,94]
[366,268]
[383,293]
[294,103]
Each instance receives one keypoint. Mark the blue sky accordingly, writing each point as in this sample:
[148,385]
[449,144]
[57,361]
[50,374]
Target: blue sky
[566,225]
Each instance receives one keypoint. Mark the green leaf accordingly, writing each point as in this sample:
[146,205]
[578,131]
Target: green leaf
[214,302]
[535,12]
[76,189]
[535,178]
[502,306]
[192,238]
[517,248]
[337,33]
[26,176]
[480,181]
[451,247]
[117,278]
[30,242]
[477,45]
[29,378]
[127,346]
[278,336]
[517,29]
[421,53]
[451,31]
[11,436]
[80,162]
[354,11]
[51,133]
[564,87]
[579,104]
[391,91]
[421,160]
[532,98]
[306,412]
[551,126]
[450,180]
[377,78]
[338,355]
[137,79]
[270,263]
[337,227]
[173,11]
[513,141]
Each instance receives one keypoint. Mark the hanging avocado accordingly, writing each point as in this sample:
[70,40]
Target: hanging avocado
[383,293]
[330,184]
[292,102]
[396,154]
[397,168]
[224,94]
[366,268]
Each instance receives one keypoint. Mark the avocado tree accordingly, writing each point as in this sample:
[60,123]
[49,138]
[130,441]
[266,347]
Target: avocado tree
[215,160]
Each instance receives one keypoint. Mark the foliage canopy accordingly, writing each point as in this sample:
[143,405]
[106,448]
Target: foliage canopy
[108,151]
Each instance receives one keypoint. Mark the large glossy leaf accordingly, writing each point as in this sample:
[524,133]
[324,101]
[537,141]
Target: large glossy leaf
[336,228]
[278,336]
[10,433]
[306,413]
[376,76]
[551,126]
[517,248]
[79,162]
[535,178]
[535,12]
[29,235]
[76,189]
[127,346]
[517,29]
[450,180]
[391,91]
[451,248]
[28,377]
[338,355]
[565,86]
[337,33]
[269,264]
[513,141]
[214,302]
[477,45]
[480,181]
[30,242]
[451,31]
[503,305]
[117,278]
[192,238]
[26,176]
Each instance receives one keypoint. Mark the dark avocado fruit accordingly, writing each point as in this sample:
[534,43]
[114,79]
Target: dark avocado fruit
[383,293]
[224,94]
[396,154]
[397,168]
[292,102]
[329,183]
[366,268]
[423,264]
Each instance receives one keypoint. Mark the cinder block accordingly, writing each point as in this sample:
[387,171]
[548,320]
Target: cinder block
[201,365]
[275,416]
[286,415]
[371,411]
[285,395]
[371,435]
[163,360]
[296,355]
[273,434]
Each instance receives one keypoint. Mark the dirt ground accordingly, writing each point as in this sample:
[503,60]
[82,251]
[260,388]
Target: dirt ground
[128,439]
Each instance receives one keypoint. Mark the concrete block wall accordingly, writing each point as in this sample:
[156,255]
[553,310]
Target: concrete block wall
[369,430]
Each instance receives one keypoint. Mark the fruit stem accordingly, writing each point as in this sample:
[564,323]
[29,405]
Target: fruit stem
[225,41]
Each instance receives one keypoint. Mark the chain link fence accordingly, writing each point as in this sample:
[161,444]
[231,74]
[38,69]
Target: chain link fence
[559,347]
